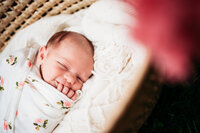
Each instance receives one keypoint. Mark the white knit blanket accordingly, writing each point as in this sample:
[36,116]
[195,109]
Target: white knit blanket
[118,60]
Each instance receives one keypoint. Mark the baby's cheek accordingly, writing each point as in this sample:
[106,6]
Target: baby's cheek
[54,73]
[49,75]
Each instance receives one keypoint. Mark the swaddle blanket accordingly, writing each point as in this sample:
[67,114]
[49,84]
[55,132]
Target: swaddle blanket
[28,104]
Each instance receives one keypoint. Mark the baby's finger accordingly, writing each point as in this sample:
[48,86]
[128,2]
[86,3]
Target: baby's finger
[65,90]
[60,87]
[74,97]
[70,93]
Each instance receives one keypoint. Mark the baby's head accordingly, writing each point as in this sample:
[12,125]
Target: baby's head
[66,62]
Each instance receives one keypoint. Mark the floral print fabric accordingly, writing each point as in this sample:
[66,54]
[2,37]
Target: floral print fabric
[12,60]
[1,83]
[27,103]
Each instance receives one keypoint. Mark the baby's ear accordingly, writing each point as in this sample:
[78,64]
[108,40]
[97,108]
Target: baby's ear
[41,54]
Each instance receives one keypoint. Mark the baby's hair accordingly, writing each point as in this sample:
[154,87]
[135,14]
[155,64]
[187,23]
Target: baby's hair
[57,37]
[60,36]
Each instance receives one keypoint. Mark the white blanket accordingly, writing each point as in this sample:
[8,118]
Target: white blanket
[118,62]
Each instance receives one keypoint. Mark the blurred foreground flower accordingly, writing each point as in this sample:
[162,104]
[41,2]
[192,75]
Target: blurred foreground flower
[171,30]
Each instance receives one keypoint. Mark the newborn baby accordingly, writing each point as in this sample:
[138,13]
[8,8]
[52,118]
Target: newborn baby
[38,87]
[66,62]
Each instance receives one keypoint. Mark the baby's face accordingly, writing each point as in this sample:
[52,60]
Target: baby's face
[66,67]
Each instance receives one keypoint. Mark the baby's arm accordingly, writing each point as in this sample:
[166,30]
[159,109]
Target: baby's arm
[67,91]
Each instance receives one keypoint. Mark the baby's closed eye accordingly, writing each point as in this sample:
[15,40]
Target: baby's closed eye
[62,65]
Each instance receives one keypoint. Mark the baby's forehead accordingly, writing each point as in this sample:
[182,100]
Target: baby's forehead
[78,41]
[70,39]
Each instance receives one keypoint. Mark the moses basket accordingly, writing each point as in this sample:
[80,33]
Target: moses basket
[17,14]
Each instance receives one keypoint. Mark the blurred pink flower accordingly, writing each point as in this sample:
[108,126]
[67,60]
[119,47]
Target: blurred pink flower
[170,29]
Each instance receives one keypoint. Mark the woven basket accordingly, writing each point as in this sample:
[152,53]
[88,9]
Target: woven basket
[17,14]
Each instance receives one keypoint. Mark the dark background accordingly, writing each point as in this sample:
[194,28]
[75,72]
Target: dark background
[178,107]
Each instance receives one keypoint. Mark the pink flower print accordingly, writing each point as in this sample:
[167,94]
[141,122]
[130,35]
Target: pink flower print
[1,80]
[29,63]
[11,60]
[38,121]
[67,104]
[21,84]
[1,83]
[64,105]
[27,82]
[16,113]
[5,126]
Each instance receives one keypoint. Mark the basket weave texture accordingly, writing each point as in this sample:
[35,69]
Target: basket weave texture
[17,14]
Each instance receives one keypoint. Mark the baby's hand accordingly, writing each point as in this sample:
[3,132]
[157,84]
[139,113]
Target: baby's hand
[67,91]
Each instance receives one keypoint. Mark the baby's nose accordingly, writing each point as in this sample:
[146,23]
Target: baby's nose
[70,78]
